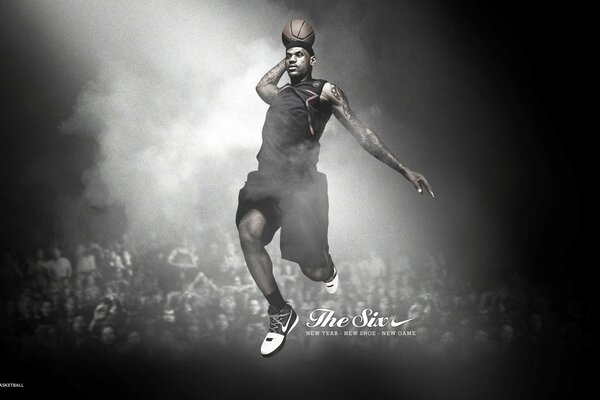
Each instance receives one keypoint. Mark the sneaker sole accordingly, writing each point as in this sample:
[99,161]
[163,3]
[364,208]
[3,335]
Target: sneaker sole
[284,339]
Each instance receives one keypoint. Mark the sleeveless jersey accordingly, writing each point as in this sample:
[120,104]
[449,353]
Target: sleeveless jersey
[293,126]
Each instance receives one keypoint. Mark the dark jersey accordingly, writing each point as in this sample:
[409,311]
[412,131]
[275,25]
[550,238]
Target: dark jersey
[293,126]
[287,188]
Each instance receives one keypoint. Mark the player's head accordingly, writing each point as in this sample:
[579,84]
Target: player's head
[299,60]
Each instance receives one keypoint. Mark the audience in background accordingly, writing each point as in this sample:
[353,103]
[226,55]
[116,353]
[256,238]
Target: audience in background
[148,301]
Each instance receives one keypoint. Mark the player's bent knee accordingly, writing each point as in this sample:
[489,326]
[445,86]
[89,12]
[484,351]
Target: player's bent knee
[249,233]
[315,274]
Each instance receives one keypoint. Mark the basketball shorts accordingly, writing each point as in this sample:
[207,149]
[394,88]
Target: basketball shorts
[300,210]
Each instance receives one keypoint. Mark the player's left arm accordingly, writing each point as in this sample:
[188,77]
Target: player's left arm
[366,138]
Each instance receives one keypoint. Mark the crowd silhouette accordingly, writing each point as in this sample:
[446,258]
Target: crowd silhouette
[166,302]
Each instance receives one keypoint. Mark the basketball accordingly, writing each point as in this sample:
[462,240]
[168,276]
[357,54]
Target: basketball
[298,30]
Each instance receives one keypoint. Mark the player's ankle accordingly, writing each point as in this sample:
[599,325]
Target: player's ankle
[276,300]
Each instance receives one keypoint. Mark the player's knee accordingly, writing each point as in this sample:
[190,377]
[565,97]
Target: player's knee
[249,233]
[252,227]
[314,273]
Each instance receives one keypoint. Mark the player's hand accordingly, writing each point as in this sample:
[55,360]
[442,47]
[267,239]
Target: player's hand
[418,181]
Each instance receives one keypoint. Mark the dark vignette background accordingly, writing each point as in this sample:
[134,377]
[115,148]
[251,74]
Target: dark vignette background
[535,56]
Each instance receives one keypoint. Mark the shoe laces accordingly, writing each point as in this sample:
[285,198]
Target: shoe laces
[276,321]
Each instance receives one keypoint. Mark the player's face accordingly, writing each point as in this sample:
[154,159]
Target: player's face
[298,62]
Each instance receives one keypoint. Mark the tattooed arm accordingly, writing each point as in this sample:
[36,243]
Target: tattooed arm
[267,87]
[367,139]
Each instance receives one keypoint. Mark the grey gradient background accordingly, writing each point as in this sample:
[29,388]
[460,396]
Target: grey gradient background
[126,116]
[148,111]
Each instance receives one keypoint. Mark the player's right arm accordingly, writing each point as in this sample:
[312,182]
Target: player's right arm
[267,87]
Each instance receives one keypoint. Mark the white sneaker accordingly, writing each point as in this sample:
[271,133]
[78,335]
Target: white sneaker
[280,324]
[332,284]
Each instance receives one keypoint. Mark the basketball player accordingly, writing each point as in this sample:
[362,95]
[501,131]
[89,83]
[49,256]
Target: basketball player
[288,192]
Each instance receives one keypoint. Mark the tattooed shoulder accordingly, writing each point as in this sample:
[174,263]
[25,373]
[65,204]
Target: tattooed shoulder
[337,92]
[341,97]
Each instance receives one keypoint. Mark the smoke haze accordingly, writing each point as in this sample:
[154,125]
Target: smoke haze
[142,116]
[167,97]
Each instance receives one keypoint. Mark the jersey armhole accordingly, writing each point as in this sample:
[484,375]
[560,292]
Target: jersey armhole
[323,107]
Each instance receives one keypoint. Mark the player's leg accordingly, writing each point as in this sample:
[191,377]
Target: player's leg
[252,228]
[326,273]
[282,317]
[304,232]
[318,273]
